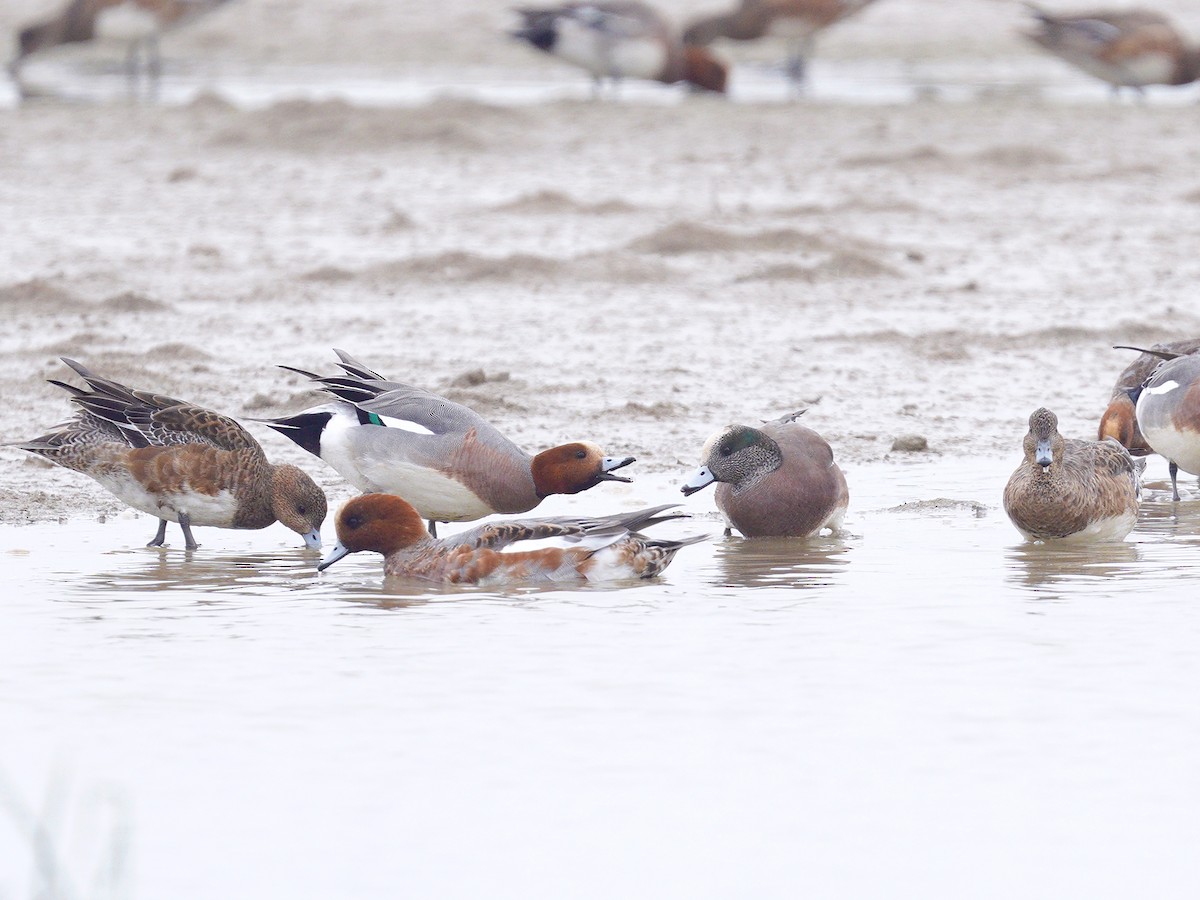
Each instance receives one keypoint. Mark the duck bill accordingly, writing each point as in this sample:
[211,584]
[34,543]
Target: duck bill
[312,540]
[339,551]
[1043,455]
[610,463]
[702,479]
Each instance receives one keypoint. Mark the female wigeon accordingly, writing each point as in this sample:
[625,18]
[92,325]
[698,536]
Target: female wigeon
[447,460]
[1168,414]
[797,21]
[1127,48]
[583,549]
[1119,421]
[618,40]
[779,480]
[138,22]
[1083,490]
[177,461]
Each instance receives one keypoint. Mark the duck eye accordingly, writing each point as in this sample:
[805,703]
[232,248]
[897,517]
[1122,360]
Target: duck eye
[301,509]
[581,454]
[353,522]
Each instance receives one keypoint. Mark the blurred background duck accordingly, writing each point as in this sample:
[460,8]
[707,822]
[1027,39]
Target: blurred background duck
[619,40]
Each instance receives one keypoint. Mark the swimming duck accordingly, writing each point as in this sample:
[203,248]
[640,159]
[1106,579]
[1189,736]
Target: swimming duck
[1088,490]
[799,21]
[1119,421]
[779,480]
[1126,48]
[580,549]
[178,461]
[445,459]
[618,40]
[1168,413]
[140,22]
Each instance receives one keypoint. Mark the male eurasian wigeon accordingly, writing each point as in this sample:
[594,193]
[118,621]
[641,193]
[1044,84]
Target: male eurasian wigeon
[1081,490]
[137,22]
[618,40]
[445,459]
[177,461]
[797,21]
[779,480]
[1119,421]
[1126,48]
[1168,414]
[574,549]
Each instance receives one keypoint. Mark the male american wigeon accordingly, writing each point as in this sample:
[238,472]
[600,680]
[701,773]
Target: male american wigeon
[616,40]
[139,23]
[608,548]
[1168,414]
[1066,488]
[778,480]
[797,21]
[1126,48]
[178,461]
[1119,421]
[445,459]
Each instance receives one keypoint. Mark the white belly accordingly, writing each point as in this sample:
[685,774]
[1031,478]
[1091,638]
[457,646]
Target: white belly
[202,509]
[125,22]
[434,495]
[606,56]
[1181,447]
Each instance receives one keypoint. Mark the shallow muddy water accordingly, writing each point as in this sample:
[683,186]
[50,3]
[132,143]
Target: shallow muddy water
[925,706]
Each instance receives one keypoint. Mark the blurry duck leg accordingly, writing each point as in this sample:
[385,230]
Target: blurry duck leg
[1174,470]
[185,522]
[796,67]
[153,67]
[160,536]
[432,528]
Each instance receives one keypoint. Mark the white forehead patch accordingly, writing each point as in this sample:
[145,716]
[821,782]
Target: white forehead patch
[1165,388]
[707,449]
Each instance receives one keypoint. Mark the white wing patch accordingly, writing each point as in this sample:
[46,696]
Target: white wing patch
[1165,388]
[403,424]
[592,542]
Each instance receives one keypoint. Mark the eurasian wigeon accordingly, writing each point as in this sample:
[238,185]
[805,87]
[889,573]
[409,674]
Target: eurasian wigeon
[608,548]
[445,459]
[1119,421]
[1168,414]
[797,21]
[1126,48]
[1066,488]
[177,461]
[616,40]
[778,480]
[140,23]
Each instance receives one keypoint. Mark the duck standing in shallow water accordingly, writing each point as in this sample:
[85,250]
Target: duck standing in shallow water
[445,459]
[1066,488]
[1168,414]
[1119,421]
[779,480]
[584,549]
[177,461]
[1126,48]
[616,40]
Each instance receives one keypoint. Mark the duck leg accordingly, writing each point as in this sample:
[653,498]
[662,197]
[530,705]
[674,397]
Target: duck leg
[432,528]
[160,536]
[153,67]
[1174,470]
[185,522]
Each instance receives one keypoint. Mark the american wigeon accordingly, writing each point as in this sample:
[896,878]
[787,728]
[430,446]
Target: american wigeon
[137,22]
[1119,421]
[1126,48]
[178,461]
[779,480]
[585,549]
[797,21]
[445,459]
[1168,414]
[1066,488]
[616,40]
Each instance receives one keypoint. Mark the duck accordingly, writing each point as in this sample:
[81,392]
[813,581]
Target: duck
[798,21]
[1119,420]
[444,458]
[1168,413]
[615,40]
[1072,489]
[779,480]
[139,22]
[606,548]
[1130,48]
[178,462]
